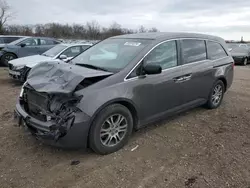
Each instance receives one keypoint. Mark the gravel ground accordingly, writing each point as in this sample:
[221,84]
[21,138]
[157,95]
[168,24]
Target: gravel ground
[200,148]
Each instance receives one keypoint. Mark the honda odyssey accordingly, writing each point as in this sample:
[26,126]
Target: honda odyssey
[122,84]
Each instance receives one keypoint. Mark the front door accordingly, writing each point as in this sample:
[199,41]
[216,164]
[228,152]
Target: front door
[161,93]
[31,47]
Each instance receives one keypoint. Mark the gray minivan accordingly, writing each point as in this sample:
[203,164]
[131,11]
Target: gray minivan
[121,84]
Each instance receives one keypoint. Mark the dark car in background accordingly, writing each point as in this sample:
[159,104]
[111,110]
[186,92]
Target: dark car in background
[121,84]
[241,55]
[231,46]
[26,46]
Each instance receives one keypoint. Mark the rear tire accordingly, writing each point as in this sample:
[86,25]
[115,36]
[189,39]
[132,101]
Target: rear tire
[7,57]
[216,95]
[245,61]
[106,137]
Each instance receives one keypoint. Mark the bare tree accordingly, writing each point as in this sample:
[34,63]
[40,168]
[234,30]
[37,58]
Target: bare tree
[5,14]
[142,29]
[153,29]
[93,30]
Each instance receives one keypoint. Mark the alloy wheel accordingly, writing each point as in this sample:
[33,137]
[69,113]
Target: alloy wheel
[113,130]
[9,57]
[217,94]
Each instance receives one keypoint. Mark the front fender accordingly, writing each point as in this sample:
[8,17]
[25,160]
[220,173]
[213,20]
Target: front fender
[93,101]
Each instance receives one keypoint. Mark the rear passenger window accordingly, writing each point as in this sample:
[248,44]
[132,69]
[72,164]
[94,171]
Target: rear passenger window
[193,50]
[215,50]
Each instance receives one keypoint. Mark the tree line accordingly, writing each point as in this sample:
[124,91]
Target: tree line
[90,31]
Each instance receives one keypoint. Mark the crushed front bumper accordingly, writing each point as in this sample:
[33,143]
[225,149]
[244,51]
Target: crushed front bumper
[76,137]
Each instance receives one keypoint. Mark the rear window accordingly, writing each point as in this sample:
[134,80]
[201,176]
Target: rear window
[193,50]
[47,42]
[6,40]
[215,50]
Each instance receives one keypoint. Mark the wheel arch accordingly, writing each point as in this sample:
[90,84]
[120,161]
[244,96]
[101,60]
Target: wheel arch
[11,53]
[125,102]
[224,80]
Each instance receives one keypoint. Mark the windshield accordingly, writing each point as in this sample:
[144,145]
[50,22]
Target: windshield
[111,54]
[54,51]
[243,45]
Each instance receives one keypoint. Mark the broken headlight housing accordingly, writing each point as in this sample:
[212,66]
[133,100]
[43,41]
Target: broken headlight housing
[22,90]
[63,104]
[18,67]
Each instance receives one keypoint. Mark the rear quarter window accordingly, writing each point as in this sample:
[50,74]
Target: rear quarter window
[193,50]
[215,50]
[47,42]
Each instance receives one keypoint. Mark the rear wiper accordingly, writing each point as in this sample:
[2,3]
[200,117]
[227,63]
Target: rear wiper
[92,67]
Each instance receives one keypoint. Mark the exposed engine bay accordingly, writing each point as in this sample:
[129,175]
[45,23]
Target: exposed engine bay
[49,95]
[55,108]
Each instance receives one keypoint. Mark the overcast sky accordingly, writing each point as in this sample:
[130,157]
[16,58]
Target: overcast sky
[229,19]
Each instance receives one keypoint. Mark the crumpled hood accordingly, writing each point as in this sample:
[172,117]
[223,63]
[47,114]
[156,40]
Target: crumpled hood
[30,60]
[60,77]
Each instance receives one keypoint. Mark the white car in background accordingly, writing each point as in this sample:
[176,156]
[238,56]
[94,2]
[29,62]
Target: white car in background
[19,68]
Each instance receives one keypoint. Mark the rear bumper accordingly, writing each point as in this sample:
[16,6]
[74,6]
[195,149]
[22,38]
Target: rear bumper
[75,138]
[238,60]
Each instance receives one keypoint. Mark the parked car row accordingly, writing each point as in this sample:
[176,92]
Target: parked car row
[19,68]
[118,85]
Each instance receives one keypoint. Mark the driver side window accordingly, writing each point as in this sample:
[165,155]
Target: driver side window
[164,55]
[30,42]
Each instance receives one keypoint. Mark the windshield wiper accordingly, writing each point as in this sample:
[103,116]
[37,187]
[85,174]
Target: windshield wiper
[92,67]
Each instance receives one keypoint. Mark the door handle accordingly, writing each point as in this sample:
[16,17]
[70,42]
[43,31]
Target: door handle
[187,77]
[178,79]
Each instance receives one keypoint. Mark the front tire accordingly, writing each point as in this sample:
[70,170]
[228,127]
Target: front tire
[111,129]
[216,95]
[7,57]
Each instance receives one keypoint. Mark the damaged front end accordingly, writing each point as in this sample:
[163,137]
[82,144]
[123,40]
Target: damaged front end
[57,110]
[48,103]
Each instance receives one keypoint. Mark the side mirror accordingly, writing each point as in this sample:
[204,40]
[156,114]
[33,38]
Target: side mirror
[62,57]
[152,69]
[68,59]
[22,45]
